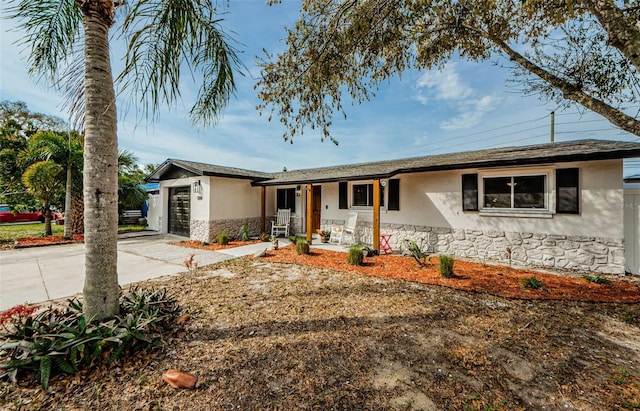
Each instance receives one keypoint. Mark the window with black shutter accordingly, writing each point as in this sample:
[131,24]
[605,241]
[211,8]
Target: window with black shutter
[286,198]
[470,192]
[567,191]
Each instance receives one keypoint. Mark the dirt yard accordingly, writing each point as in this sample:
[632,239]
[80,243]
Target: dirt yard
[269,335]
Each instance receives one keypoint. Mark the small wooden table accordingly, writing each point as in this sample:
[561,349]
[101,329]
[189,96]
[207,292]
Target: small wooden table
[384,243]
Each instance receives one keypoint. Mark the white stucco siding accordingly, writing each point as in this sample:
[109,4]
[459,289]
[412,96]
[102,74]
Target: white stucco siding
[435,200]
[232,199]
[601,200]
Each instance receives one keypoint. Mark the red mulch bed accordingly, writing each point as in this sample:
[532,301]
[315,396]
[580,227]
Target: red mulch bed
[215,246]
[50,240]
[469,276]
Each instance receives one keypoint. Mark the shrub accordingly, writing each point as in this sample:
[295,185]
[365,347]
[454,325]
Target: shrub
[244,232]
[532,283]
[598,279]
[355,256]
[421,257]
[302,247]
[445,266]
[61,340]
[263,237]
[222,238]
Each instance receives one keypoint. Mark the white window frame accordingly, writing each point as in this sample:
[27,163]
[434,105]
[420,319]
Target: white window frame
[546,212]
[365,208]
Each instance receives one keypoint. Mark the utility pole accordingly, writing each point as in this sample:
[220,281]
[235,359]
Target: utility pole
[553,117]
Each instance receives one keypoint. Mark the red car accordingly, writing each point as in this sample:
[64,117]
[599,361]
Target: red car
[8,216]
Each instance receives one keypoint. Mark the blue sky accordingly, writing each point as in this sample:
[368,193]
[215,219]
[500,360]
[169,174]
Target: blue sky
[465,106]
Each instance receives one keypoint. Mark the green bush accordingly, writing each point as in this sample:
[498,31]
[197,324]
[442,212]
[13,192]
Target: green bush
[355,256]
[244,232]
[302,247]
[598,279]
[532,283]
[61,340]
[222,238]
[421,257]
[445,266]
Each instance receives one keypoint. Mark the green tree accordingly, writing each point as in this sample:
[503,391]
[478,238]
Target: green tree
[26,122]
[163,38]
[42,179]
[17,125]
[585,52]
[130,195]
[64,149]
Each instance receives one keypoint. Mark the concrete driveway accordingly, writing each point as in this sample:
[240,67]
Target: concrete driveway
[39,274]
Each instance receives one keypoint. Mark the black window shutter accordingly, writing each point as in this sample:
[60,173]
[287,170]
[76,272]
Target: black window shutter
[470,192]
[394,194]
[291,199]
[342,195]
[281,201]
[568,190]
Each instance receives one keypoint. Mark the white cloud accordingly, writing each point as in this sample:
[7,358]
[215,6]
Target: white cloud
[446,83]
[471,113]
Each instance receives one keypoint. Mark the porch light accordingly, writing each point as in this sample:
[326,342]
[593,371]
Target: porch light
[298,191]
[383,183]
[197,187]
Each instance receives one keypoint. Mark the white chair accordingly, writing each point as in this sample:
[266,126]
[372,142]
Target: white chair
[338,232]
[281,225]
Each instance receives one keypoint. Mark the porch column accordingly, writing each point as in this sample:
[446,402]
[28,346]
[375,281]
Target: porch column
[309,190]
[263,204]
[376,215]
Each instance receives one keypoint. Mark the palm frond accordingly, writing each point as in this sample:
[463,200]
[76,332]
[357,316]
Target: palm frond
[52,27]
[163,35]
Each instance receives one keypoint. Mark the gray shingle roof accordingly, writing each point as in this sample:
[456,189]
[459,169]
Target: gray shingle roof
[205,169]
[505,156]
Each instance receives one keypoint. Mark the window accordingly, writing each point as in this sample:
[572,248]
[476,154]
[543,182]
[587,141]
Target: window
[567,191]
[363,195]
[520,192]
[470,192]
[286,198]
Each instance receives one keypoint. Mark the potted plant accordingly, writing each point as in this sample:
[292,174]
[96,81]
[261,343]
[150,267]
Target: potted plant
[325,235]
[274,242]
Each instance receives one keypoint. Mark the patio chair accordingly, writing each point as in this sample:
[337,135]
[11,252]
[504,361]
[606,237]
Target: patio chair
[281,225]
[338,233]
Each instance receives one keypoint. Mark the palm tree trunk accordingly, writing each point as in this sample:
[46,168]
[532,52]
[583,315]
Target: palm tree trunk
[100,174]
[77,213]
[67,204]
[47,219]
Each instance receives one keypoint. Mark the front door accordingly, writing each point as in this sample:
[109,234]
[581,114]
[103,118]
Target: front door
[316,210]
[180,210]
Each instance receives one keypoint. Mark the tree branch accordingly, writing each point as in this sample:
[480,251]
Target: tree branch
[623,34]
[569,91]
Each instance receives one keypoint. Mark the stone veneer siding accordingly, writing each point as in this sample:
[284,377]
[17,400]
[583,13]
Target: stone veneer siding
[593,254]
[208,230]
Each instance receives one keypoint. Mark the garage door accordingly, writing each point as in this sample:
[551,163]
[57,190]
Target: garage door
[179,210]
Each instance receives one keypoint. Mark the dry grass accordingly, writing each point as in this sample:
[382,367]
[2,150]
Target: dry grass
[266,335]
